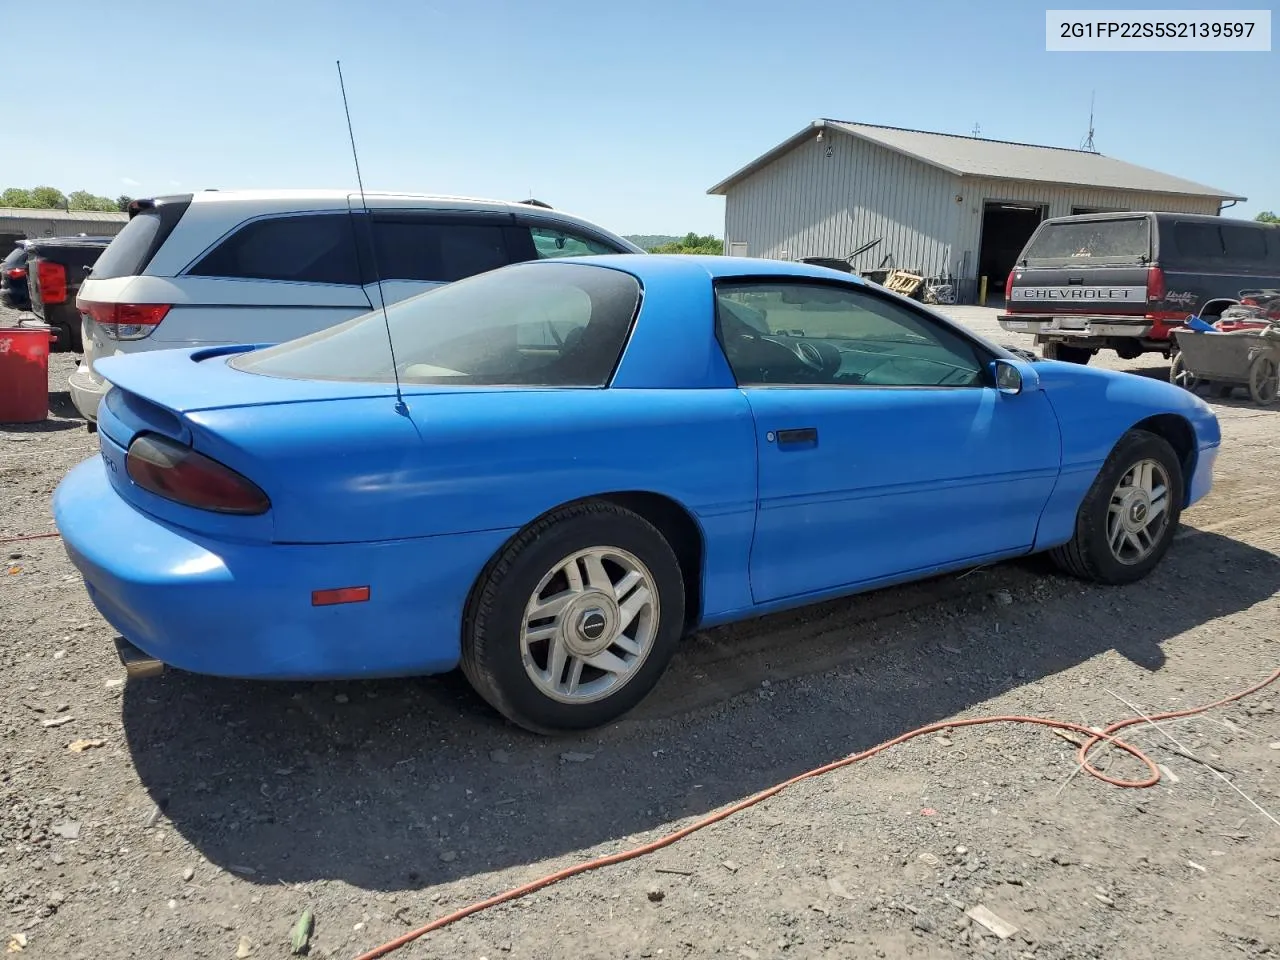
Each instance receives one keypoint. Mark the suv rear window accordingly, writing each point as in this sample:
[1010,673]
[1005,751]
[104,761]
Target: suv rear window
[312,248]
[1111,240]
[549,325]
[125,256]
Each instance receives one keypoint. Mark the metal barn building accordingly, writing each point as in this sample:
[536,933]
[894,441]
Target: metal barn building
[940,205]
[22,223]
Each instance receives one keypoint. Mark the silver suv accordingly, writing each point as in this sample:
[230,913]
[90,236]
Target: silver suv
[268,266]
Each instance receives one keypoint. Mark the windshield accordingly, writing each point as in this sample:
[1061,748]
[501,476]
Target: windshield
[551,324]
[1112,240]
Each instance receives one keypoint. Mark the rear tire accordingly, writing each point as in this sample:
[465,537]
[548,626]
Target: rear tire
[1053,350]
[592,588]
[1122,530]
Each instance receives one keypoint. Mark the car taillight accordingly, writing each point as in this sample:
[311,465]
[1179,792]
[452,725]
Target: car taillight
[176,472]
[125,321]
[16,273]
[52,278]
[1008,286]
[1155,285]
[1248,302]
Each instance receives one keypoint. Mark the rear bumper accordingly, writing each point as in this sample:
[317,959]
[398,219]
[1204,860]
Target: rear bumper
[1071,327]
[244,609]
[87,391]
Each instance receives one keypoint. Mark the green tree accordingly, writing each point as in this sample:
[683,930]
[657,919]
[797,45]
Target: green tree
[16,197]
[692,243]
[1266,216]
[122,203]
[84,200]
[49,198]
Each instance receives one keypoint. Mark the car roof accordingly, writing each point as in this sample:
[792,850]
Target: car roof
[300,199]
[715,267]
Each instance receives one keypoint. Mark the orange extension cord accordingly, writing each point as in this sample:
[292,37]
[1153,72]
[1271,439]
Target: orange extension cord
[1106,735]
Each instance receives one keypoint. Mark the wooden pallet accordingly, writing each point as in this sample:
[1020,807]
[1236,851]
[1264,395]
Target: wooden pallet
[904,283]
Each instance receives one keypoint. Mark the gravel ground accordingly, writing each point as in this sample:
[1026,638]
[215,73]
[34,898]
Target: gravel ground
[205,815]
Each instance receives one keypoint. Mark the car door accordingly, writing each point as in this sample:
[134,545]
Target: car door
[884,448]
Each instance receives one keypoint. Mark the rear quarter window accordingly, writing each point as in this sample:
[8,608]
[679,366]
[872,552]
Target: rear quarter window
[313,248]
[1128,240]
[1248,244]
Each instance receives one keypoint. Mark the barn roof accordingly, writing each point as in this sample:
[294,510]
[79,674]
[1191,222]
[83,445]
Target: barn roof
[93,216]
[995,159]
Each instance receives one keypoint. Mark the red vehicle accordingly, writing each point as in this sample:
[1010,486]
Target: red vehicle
[1123,281]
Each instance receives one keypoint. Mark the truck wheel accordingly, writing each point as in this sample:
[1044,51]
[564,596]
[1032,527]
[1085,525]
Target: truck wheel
[575,620]
[1129,516]
[1053,350]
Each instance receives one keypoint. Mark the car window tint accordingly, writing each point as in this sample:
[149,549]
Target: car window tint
[15,257]
[552,242]
[1198,240]
[1244,243]
[554,325]
[125,254]
[315,248]
[442,251]
[819,334]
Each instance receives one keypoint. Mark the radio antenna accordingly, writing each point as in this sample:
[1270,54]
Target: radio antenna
[401,407]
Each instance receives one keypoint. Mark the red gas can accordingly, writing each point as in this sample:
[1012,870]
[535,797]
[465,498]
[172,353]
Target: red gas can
[24,375]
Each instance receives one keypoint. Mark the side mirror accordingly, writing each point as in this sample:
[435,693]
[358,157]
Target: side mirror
[1013,377]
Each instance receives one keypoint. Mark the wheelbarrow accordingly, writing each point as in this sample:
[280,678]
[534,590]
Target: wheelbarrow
[1224,361]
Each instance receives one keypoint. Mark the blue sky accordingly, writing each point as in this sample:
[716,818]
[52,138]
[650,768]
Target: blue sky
[624,113]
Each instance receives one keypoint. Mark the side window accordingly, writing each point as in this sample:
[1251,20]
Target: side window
[1244,243]
[422,248]
[816,334]
[315,248]
[552,242]
[1198,241]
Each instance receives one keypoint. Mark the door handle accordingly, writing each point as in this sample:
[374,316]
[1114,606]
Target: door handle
[797,436]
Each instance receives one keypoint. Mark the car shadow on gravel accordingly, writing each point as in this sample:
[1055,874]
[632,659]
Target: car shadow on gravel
[397,785]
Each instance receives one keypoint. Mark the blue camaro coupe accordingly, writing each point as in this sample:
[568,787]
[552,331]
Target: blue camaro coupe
[551,473]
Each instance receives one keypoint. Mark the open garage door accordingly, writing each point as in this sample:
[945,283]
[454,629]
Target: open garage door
[1006,228]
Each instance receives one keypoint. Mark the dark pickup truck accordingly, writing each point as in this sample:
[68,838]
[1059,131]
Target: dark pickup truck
[13,278]
[1123,281]
[55,269]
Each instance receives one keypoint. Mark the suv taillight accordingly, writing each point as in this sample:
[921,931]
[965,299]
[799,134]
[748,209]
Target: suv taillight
[124,321]
[176,472]
[52,278]
[1155,285]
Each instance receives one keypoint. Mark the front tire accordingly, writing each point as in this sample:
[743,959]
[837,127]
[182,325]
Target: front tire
[573,623]
[1130,514]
